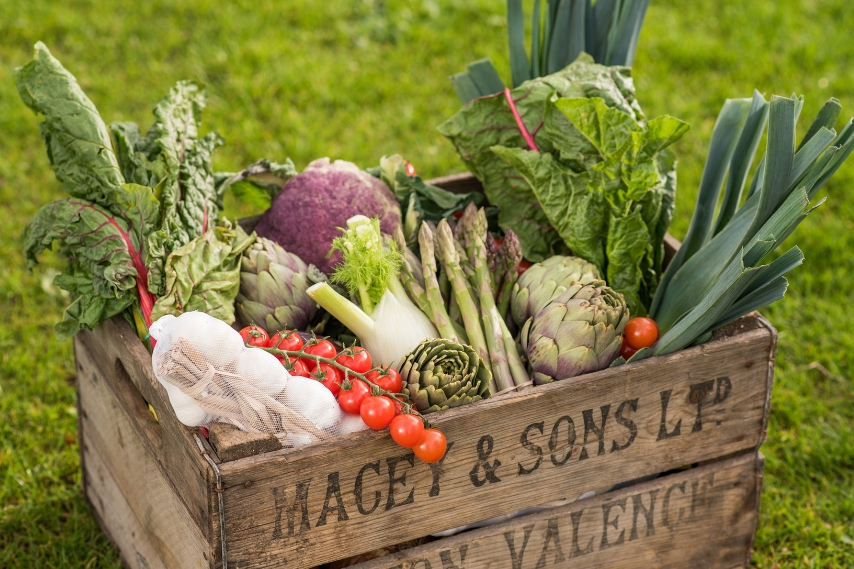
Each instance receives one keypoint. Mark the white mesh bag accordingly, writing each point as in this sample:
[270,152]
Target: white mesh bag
[210,376]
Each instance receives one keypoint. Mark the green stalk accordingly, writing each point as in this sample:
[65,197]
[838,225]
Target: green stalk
[409,280]
[448,256]
[511,254]
[437,313]
[475,228]
[345,311]
[514,361]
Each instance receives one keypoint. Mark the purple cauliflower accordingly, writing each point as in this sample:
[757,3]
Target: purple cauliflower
[304,218]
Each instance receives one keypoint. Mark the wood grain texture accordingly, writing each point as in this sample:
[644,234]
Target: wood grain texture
[121,356]
[700,518]
[127,490]
[507,453]
[230,443]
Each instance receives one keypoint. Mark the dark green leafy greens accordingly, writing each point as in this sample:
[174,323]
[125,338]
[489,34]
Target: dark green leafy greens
[134,199]
[608,30]
[489,121]
[607,188]
[258,183]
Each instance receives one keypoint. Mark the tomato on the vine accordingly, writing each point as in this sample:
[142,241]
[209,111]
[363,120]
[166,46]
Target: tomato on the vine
[319,348]
[407,430]
[296,367]
[356,359]
[377,411]
[523,266]
[330,376]
[386,378]
[432,446]
[626,351]
[350,398]
[255,336]
[288,340]
[640,332]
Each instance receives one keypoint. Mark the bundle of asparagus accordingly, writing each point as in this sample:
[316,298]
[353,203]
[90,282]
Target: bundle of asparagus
[467,293]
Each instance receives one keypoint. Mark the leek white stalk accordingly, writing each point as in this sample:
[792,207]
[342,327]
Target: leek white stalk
[393,329]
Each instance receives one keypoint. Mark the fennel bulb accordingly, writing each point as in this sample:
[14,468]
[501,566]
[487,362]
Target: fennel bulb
[392,330]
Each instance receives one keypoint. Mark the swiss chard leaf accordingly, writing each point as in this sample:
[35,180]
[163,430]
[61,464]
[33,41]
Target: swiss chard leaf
[489,121]
[78,143]
[256,184]
[204,275]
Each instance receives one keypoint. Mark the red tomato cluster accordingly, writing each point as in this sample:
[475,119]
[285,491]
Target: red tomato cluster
[354,395]
[640,332]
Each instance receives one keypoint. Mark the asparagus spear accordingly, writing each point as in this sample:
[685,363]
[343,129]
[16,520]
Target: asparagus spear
[450,260]
[475,230]
[511,256]
[437,314]
[409,276]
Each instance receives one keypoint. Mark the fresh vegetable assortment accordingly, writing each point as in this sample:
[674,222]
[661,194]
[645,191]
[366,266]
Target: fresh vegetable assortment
[439,299]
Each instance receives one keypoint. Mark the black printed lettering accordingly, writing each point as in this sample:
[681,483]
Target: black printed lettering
[627,423]
[726,384]
[698,497]
[570,440]
[523,440]
[393,480]
[606,512]
[590,426]
[436,469]
[662,429]
[665,507]
[333,489]
[648,514]
[484,449]
[576,522]
[357,491]
[697,395]
[448,563]
[552,535]
[510,538]
[300,503]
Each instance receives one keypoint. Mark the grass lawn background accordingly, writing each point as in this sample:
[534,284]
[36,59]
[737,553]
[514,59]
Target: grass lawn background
[359,79]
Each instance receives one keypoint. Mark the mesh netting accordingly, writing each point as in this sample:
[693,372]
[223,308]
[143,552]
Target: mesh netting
[210,376]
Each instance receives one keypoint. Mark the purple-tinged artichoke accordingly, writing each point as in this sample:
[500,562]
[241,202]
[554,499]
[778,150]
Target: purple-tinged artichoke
[578,332]
[272,289]
[545,281]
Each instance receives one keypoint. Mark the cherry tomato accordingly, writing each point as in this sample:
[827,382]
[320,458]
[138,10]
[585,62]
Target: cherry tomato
[329,376]
[255,336]
[407,430]
[457,214]
[288,340]
[297,367]
[432,446]
[350,400]
[523,266]
[499,241]
[626,351]
[410,169]
[377,411]
[641,332]
[386,378]
[320,348]
[356,359]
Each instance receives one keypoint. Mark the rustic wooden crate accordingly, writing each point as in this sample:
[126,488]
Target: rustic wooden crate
[167,497]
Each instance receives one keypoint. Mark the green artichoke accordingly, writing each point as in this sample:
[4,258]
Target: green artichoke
[543,282]
[272,288]
[441,373]
[578,332]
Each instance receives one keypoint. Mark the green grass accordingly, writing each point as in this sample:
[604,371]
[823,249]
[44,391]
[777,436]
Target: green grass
[356,80]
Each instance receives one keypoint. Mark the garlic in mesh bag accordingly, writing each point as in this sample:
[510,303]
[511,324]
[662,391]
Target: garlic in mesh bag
[210,376]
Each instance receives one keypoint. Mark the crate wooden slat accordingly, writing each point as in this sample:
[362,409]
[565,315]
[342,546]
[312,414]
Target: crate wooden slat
[701,517]
[153,484]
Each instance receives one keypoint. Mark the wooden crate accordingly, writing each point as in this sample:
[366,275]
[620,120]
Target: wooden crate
[168,497]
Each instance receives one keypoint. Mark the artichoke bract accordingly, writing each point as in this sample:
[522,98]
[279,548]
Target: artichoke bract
[272,288]
[543,282]
[578,332]
[440,374]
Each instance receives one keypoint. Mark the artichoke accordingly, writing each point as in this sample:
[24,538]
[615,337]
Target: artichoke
[543,282]
[441,373]
[272,288]
[578,332]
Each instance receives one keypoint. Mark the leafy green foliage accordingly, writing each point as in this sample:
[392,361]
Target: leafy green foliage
[602,189]
[608,30]
[489,121]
